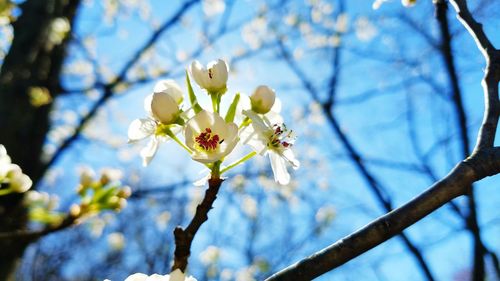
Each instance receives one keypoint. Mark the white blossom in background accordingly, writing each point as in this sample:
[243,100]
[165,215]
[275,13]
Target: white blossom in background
[364,28]
[342,22]
[325,214]
[59,29]
[209,137]
[176,275]
[255,32]
[213,77]
[210,255]
[408,3]
[11,175]
[162,220]
[249,206]
[213,7]
[377,3]
[116,241]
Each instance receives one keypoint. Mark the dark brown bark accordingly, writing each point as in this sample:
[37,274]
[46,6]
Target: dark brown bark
[184,237]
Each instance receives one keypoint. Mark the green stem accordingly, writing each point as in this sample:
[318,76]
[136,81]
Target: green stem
[5,191]
[215,102]
[245,122]
[174,137]
[216,170]
[232,165]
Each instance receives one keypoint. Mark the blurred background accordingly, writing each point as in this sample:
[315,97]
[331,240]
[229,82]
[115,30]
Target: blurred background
[384,102]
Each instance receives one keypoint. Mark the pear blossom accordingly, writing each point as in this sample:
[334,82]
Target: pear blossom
[262,99]
[213,78]
[209,137]
[12,175]
[163,111]
[268,135]
[175,275]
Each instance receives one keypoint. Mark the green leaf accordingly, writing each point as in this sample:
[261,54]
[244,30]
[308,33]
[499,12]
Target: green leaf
[192,97]
[103,195]
[231,112]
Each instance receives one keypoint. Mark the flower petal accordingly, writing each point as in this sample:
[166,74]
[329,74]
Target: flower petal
[278,166]
[177,275]
[137,277]
[171,88]
[157,277]
[148,152]
[290,158]
[198,73]
[147,104]
[140,129]
[164,108]
[256,141]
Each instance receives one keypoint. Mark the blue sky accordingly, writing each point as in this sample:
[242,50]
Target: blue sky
[376,126]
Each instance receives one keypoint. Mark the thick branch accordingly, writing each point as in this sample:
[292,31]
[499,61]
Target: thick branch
[184,237]
[380,230]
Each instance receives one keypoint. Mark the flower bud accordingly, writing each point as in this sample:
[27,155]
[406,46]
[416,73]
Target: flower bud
[86,176]
[75,210]
[171,88]
[213,78]
[18,182]
[162,107]
[124,192]
[262,99]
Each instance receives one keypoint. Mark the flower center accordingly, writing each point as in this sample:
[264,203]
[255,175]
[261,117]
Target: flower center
[281,137]
[208,141]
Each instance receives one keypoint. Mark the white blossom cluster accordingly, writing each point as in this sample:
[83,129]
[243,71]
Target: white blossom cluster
[208,136]
[12,179]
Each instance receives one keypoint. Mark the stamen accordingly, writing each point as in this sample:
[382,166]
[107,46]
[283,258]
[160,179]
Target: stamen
[207,141]
[281,137]
[210,74]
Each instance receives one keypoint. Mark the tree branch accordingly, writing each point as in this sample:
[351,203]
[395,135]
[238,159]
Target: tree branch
[373,184]
[478,166]
[478,272]
[184,237]
[486,136]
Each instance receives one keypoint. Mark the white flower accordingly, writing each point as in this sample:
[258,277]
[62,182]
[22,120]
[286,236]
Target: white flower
[171,88]
[268,135]
[213,78]
[87,176]
[210,255]
[408,3]
[12,175]
[163,109]
[210,137]
[18,182]
[176,275]
[116,241]
[262,99]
